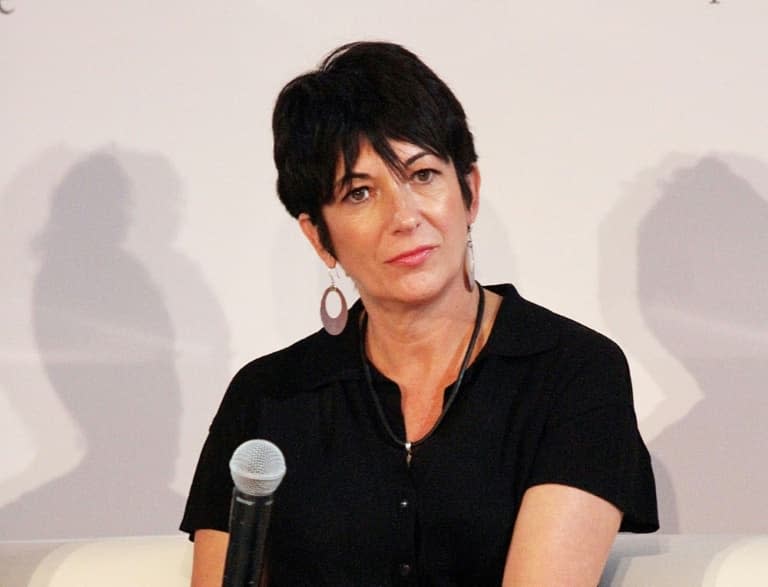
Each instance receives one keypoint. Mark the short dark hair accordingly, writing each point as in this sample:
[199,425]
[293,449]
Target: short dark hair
[374,90]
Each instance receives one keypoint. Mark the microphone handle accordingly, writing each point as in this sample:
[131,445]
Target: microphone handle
[248,524]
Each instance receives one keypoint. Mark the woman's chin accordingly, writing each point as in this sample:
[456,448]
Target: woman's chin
[419,290]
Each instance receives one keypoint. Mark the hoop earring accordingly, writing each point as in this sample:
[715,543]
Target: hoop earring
[333,325]
[469,262]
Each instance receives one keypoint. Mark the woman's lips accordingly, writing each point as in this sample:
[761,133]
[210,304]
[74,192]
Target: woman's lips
[413,257]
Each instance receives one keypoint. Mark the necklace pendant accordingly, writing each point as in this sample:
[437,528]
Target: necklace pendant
[408,453]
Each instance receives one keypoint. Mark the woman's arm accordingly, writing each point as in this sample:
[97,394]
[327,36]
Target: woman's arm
[209,555]
[562,536]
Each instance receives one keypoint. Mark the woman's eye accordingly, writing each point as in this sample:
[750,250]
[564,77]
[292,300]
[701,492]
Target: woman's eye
[358,194]
[424,175]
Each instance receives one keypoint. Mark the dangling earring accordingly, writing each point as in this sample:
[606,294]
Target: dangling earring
[333,324]
[469,262]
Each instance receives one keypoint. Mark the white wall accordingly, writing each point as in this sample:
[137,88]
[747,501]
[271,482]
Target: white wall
[144,255]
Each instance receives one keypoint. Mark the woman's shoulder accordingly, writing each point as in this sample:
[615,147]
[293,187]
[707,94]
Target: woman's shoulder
[529,328]
[286,357]
[579,367]
[306,364]
[281,365]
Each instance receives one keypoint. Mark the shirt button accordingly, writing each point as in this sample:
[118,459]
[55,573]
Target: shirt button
[404,504]
[405,569]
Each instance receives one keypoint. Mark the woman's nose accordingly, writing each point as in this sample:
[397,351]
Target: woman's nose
[405,212]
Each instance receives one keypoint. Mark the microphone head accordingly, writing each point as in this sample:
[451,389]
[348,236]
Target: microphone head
[257,467]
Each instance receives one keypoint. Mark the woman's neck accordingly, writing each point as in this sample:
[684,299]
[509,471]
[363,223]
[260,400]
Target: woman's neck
[426,342]
[423,353]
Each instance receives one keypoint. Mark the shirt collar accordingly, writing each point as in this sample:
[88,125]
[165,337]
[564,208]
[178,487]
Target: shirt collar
[521,329]
[329,358]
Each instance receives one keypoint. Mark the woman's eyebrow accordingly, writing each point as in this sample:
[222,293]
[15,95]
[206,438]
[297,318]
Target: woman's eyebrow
[348,177]
[414,158]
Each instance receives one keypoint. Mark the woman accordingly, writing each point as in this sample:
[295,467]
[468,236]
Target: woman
[447,433]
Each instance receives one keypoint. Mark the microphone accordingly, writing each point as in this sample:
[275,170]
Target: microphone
[257,468]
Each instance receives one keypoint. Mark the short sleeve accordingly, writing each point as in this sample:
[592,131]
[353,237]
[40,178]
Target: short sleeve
[591,440]
[210,495]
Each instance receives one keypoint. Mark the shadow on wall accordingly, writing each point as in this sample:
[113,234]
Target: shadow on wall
[201,336]
[701,290]
[106,342]
[24,388]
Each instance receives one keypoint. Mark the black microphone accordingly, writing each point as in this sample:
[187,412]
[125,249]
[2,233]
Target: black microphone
[257,468]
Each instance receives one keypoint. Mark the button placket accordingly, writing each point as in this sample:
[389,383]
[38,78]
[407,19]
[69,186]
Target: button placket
[405,505]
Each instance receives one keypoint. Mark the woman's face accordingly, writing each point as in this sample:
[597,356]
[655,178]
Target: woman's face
[400,239]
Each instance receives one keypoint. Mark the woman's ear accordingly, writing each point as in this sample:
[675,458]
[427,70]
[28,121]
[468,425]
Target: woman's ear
[473,181]
[310,231]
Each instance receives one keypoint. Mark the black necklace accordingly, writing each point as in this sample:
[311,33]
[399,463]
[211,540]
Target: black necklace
[409,446]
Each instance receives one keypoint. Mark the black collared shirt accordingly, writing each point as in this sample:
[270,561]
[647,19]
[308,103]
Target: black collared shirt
[546,401]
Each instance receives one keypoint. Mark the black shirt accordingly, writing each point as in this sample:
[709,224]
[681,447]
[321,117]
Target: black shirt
[546,401]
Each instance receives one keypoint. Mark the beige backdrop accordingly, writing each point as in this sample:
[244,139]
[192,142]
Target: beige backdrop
[144,256]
